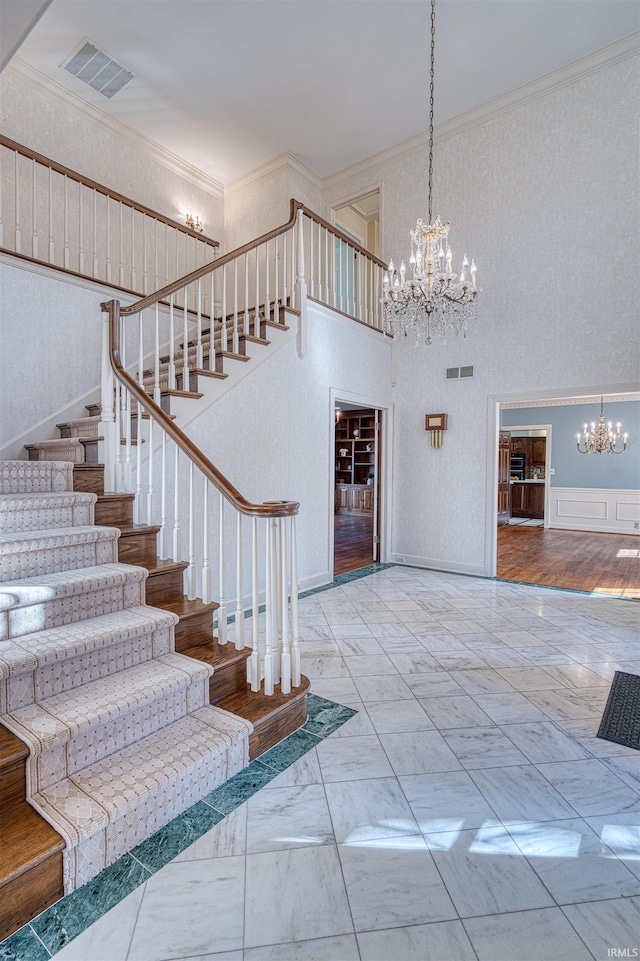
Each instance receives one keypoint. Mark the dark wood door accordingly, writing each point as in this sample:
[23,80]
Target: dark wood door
[535,500]
[504,511]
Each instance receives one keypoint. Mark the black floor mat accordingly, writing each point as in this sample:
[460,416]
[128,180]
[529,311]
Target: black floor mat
[621,718]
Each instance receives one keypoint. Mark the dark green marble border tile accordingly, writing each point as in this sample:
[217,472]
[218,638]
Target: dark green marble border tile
[23,945]
[325,716]
[240,787]
[72,915]
[176,836]
[282,756]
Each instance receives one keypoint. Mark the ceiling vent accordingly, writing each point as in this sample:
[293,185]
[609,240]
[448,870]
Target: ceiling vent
[98,69]
[458,373]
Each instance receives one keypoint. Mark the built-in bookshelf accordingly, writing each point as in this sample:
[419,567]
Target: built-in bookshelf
[355,447]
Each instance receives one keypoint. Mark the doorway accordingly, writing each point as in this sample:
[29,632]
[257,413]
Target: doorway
[356,495]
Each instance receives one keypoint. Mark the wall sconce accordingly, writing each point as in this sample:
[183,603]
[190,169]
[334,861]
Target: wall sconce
[435,423]
[194,223]
[338,412]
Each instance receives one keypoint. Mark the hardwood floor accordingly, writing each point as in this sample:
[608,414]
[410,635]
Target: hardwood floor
[353,535]
[579,560]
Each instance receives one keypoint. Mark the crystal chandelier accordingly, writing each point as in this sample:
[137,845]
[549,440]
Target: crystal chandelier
[601,439]
[433,300]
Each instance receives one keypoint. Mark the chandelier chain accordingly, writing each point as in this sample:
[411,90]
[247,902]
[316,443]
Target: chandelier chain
[433,49]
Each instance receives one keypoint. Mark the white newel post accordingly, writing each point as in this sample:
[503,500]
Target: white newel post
[301,288]
[107,426]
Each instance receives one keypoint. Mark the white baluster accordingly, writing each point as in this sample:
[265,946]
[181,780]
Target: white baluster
[138,499]
[106,426]
[175,552]
[145,278]
[66,222]
[185,343]
[212,324]
[245,323]
[108,240]
[166,254]
[293,594]
[1,222]
[222,609]
[206,566]
[156,359]
[256,313]
[319,268]
[128,468]
[270,653]
[95,233]
[327,268]
[172,337]
[311,277]
[34,210]
[301,289]
[133,250]
[341,280]
[121,244]
[223,340]
[276,310]
[239,619]
[191,569]
[155,252]
[236,344]
[253,663]
[117,415]
[267,298]
[285,292]
[285,655]
[162,533]
[150,491]
[17,236]
[199,351]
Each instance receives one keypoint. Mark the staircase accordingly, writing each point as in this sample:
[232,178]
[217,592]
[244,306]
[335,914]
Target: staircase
[107,729]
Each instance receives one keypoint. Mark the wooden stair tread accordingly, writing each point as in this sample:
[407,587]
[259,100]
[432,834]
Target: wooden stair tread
[133,529]
[27,840]
[186,609]
[162,567]
[256,706]
[12,749]
[218,656]
[274,323]
[115,497]
[181,393]
[232,356]
[218,375]
[256,340]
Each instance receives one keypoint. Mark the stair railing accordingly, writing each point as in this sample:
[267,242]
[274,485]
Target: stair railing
[55,216]
[187,482]
[340,273]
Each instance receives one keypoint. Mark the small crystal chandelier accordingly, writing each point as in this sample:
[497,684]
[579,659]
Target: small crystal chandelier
[601,439]
[433,301]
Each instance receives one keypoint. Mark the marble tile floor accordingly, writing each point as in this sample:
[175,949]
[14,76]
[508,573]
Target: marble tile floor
[466,811]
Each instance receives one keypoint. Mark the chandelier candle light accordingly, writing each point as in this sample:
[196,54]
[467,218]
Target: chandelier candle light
[433,300]
[601,439]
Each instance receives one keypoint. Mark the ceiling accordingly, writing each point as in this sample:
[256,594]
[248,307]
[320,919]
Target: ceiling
[230,84]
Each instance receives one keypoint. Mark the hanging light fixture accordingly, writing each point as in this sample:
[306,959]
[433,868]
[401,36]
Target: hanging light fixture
[601,439]
[432,300]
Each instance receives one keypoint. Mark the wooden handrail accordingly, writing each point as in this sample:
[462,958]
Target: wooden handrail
[219,481]
[341,236]
[105,191]
[183,282]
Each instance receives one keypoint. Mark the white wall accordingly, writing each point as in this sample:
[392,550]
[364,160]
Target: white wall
[272,434]
[545,197]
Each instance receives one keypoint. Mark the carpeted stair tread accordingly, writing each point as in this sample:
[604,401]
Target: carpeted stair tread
[63,597]
[21,476]
[80,427]
[46,510]
[92,721]
[30,553]
[87,638]
[61,449]
[110,806]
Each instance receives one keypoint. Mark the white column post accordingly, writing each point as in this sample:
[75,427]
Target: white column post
[206,567]
[295,632]
[239,624]
[253,663]
[222,609]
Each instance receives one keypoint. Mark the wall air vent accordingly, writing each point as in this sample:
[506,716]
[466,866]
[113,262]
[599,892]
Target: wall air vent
[96,68]
[458,373]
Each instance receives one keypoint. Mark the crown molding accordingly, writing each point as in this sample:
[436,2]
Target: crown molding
[117,129]
[572,401]
[570,73]
[266,171]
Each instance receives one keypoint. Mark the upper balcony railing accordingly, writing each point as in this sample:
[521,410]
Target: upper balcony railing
[55,216]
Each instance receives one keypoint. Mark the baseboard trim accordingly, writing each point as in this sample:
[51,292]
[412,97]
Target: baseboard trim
[436,564]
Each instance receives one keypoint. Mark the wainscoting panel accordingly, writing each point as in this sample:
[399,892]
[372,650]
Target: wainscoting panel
[582,509]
